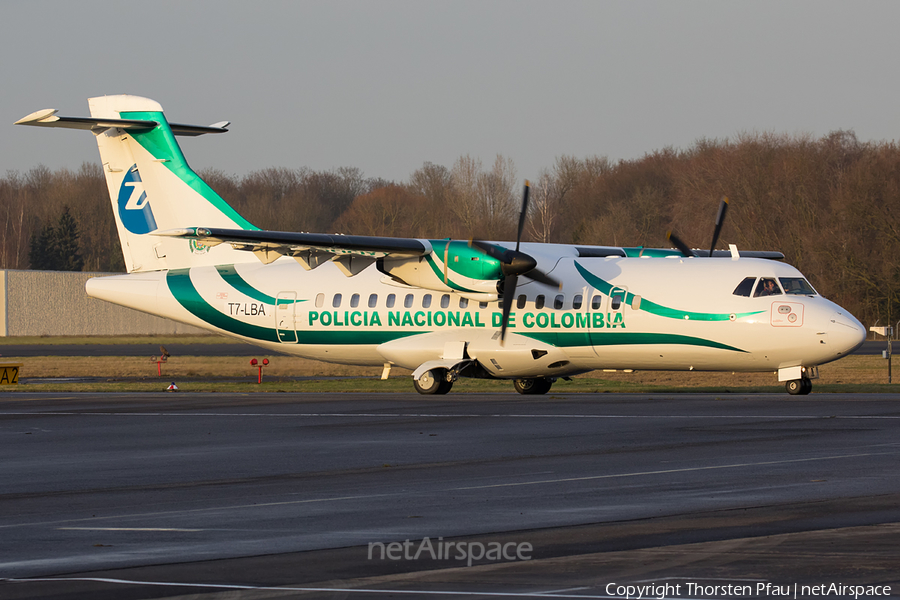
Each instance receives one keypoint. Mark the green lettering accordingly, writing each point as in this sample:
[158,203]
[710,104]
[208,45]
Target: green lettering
[440,319]
[356,318]
[407,320]
[620,321]
[325,316]
[581,320]
[313,316]
[376,320]
[420,314]
[393,318]
[553,322]
[567,323]
[496,319]
[543,319]
[453,318]
[598,321]
[467,320]
[337,319]
[478,322]
[528,320]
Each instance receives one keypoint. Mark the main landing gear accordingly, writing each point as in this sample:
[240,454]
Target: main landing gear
[798,387]
[439,381]
[540,385]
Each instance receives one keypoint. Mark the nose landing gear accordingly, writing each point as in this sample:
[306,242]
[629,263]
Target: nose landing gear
[798,387]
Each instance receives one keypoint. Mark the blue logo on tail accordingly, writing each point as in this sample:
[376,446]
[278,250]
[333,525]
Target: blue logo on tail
[134,207]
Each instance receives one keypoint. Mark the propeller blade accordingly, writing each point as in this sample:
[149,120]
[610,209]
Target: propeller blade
[676,241]
[522,214]
[509,292]
[720,220]
[542,277]
[497,252]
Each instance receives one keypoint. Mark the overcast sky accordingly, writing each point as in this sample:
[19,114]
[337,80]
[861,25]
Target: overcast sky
[385,86]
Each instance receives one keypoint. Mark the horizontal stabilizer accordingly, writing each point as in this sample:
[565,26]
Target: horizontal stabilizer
[47,118]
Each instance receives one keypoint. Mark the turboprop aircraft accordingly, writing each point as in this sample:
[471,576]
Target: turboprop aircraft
[527,312]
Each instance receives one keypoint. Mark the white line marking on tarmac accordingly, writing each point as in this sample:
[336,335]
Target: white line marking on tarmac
[433,415]
[318,589]
[666,471]
[200,510]
[125,529]
[478,487]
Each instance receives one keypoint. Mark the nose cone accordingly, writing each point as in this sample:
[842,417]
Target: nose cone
[845,333]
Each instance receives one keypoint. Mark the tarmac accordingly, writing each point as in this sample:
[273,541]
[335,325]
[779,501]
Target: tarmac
[393,495]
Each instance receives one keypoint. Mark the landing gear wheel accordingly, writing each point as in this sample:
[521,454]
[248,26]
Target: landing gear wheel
[798,387]
[532,386]
[433,382]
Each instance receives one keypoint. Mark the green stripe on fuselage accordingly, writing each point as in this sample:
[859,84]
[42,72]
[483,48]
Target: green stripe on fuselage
[182,288]
[659,310]
[603,338]
[233,278]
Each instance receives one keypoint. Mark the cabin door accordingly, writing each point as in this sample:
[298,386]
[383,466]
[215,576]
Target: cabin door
[285,312]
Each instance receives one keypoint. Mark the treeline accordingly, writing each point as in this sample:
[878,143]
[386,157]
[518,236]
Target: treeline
[829,204]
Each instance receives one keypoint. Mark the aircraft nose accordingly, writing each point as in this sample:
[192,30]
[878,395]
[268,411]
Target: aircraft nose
[845,332]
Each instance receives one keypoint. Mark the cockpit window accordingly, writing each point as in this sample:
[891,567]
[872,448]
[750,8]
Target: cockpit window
[767,286]
[797,286]
[745,287]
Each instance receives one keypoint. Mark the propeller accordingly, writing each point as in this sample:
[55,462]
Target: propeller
[720,220]
[514,263]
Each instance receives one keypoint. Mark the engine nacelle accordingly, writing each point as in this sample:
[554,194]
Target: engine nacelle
[450,267]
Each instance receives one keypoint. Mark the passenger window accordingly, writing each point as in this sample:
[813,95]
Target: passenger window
[597,302]
[408,301]
[616,301]
[576,302]
[745,287]
[558,301]
[539,302]
[463,302]
[426,301]
[520,302]
[390,300]
[482,305]
[796,286]
[337,301]
[373,300]
[320,300]
[445,301]
[354,300]
[767,287]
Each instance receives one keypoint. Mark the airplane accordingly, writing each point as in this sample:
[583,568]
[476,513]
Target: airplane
[527,312]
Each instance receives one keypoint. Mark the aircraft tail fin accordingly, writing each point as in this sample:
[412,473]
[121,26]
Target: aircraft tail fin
[151,186]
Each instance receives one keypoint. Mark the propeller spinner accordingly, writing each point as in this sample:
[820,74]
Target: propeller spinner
[514,263]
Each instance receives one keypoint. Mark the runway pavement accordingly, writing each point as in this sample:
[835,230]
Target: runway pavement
[225,496]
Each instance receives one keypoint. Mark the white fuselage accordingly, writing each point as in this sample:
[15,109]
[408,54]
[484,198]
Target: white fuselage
[610,313]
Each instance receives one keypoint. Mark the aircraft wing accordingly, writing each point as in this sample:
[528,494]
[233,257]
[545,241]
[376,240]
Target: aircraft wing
[309,249]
